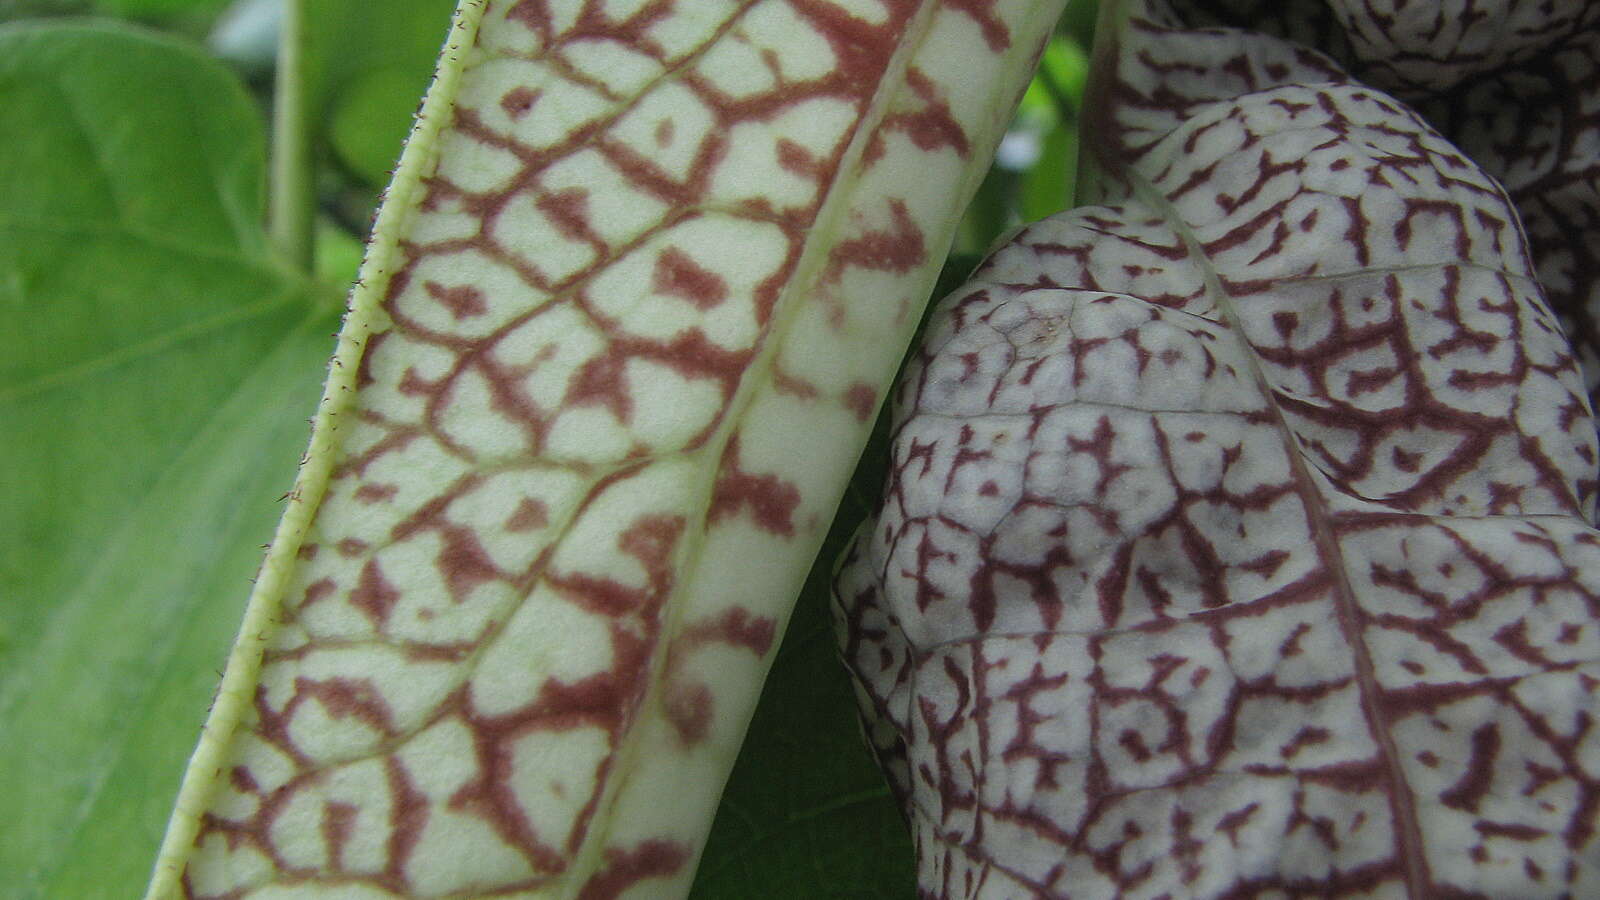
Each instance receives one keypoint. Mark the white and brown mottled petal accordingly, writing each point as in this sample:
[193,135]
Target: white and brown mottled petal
[1515,84]
[630,305]
[1236,540]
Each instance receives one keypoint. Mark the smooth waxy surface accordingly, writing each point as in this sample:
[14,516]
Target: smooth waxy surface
[642,274]
[1237,535]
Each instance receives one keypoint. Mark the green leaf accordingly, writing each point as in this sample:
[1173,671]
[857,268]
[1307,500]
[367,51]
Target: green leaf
[369,120]
[1065,69]
[1047,187]
[153,140]
[158,8]
[154,375]
[366,73]
[11,10]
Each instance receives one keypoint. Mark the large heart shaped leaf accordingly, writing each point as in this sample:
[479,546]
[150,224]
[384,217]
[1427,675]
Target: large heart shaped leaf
[1236,538]
[153,372]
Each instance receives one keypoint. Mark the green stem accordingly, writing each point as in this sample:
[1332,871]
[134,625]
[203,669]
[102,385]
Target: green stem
[292,211]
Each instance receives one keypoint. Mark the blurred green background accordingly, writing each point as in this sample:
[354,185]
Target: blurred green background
[156,370]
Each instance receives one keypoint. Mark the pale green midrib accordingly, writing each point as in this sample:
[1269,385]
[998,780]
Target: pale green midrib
[365,316]
[121,356]
[19,676]
[843,801]
[1319,519]
[828,223]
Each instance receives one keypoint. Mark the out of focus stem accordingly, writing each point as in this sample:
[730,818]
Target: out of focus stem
[291,214]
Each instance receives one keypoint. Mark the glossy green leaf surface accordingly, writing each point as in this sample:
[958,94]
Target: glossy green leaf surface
[153,373]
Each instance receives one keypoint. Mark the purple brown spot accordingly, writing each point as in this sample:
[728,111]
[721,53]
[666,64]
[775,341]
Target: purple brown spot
[530,515]
[374,595]
[688,708]
[677,275]
[625,868]
[376,493]
[861,399]
[770,500]
[518,101]
[464,302]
